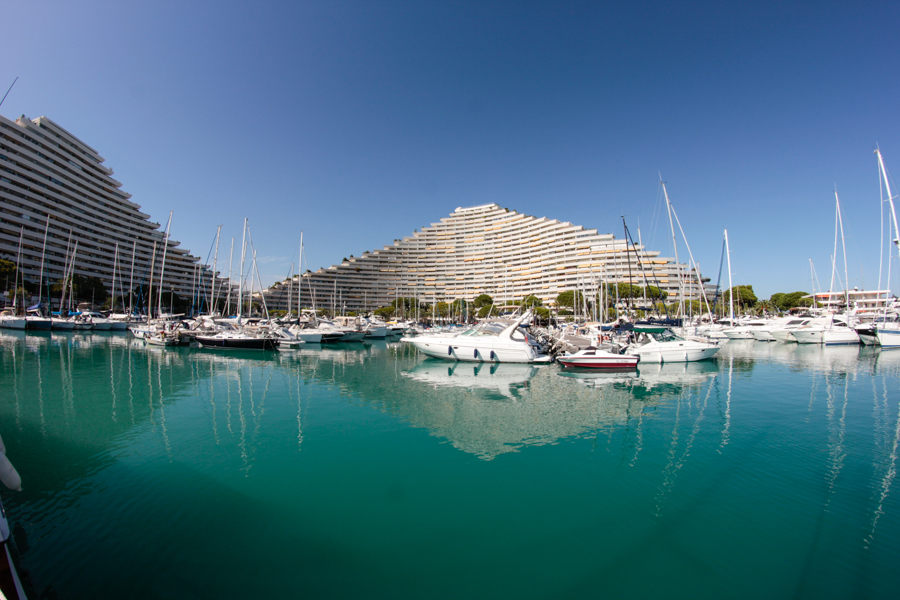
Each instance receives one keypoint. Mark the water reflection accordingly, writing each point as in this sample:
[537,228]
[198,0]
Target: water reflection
[509,380]
[78,396]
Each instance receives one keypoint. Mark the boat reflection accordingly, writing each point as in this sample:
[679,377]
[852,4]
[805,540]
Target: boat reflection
[508,379]
[650,375]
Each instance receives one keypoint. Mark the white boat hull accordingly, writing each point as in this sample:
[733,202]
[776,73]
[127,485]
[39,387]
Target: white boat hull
[888,338]
[464,350]
[12,322]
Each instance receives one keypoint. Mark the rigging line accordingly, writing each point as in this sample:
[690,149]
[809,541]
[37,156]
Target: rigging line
[7,91]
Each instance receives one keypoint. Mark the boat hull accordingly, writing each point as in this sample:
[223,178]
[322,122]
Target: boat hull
[604,361]
[38,323]
[12,322]
[457,350]
[889,338]
[225,343]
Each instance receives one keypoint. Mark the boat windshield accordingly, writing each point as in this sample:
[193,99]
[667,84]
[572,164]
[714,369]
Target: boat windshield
[491,329]
[666,336]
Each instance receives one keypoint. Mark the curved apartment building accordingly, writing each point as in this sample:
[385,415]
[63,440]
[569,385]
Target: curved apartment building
[47,173]
[485,249]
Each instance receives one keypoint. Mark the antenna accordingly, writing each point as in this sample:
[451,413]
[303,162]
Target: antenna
[7,91]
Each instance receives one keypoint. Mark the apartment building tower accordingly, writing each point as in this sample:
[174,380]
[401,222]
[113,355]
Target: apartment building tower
[51,180]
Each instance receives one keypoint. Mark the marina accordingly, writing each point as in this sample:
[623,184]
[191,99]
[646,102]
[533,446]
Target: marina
[366,469]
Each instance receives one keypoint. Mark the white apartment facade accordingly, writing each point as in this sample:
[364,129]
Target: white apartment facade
[485,249]
[47,174]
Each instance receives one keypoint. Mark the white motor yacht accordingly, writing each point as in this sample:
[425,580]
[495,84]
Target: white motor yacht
[745,330]
[766,334]
[831,331]
[660,345]
[494,340]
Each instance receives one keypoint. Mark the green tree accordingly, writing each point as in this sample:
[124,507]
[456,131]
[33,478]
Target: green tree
[7,271]
[385,312]
[785,302]
[628,290]
[531,300]
[743,296]
[655,293]
[483,300]
[569,298]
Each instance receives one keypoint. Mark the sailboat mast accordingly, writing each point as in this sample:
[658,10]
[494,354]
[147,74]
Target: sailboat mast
[148,303]
[887,186]
[844,245]
[230,283]
[675,246]
[300,279]
[62,294]
[131,283]
[43,251]
[730,284]
[115,263]
[18,270]
[162,268]
[241,278]
[212,292]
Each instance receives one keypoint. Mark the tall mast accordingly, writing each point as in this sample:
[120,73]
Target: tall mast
[887,185]
[290,289]
[212,292]
[131,283]
[241,278]
[62,294]
[230,283]
[18,270]
[300,279]
[730,284]
[844,244]
[675,246]
[627,259]
[162,268]
[72,275]
[149,301]
[112,307]
[43,251]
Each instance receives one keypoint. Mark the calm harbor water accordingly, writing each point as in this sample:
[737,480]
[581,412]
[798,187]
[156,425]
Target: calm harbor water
[364,471]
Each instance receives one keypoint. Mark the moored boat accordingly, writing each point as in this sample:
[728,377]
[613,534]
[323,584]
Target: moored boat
[597,358]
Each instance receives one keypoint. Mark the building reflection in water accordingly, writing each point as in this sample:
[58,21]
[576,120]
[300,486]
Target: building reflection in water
[78,395]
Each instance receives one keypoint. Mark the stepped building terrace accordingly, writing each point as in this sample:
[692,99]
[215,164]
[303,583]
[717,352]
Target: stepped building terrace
[486,249]
[48,173]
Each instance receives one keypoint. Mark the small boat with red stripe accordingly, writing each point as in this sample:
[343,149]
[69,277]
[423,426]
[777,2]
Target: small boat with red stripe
[597,358]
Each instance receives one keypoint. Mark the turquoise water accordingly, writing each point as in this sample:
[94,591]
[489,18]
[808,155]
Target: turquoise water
[364,471]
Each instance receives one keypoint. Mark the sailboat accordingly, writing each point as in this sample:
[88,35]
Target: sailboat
[235,338]
[34,319]
[9,318]
[888,333]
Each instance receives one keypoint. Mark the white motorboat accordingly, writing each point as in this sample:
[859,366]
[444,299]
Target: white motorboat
[868,332]
[494,340]
[888,335]
[834,331]
[767,334]
[746,329]
[660,345]
[597,358]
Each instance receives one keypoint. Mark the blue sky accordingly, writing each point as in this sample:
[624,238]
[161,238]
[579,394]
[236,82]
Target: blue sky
[359,122]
